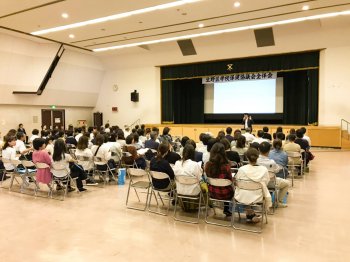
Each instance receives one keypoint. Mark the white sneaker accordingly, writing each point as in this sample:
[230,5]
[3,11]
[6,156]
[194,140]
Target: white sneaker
[282,205]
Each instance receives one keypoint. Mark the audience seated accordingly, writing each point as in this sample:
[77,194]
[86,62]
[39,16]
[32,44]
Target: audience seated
[292,147]
[101,150]
[228,136]
[130,148]
[270,164]
[240,146]
[248,135]
[198,156]
[279,130]
[160,164]
[151,143]
[266,134]
[84,151]
[20,146]
[303,130]
[256,173]
[171,156]
[188,167]
[61,158]
[70,140]
[280,157]
[260,138]
[35,134]
[166,136]
[9,152]
[304,144]
[219,167]
[206,155]
[40,155]
[233,156]
[121,138]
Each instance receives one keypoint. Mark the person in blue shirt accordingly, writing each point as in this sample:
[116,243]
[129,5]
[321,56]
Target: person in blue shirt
[280,157]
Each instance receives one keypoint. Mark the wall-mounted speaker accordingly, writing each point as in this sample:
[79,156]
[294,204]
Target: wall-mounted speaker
[134,96]
[187,47]
[264,37]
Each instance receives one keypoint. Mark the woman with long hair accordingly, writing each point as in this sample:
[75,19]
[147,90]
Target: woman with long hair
[9,153]
[188,167]
[158,163]
[219,167]
[256,173]
[61,158]
[85,161]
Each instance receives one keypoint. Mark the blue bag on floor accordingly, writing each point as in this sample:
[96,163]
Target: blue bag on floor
[121,176]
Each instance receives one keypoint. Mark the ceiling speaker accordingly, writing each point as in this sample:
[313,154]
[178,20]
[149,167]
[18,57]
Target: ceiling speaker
[187,47]
[264,37]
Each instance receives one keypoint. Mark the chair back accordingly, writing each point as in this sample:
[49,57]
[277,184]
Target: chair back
[6,160]
[59,169]
[27,163]
[99,161]
[136,172]
[83,158]
[248,185]
[218,182]
[293,154]
[15,162]
[186,180]
[159,175]
[40,165]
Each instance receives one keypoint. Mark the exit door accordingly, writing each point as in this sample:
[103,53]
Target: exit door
[53,118]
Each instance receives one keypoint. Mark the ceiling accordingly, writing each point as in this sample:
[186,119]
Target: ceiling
[25,17]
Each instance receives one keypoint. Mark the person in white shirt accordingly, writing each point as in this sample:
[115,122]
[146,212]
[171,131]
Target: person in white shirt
[63,164]
[248,135]
[270,164]
[256,173]
[102,151]
[107,129]
[49,145]
[20,146]
[260,138]
[80,133]
[9,152]
[188,167]
[85,158]
[35,134]
[303,129]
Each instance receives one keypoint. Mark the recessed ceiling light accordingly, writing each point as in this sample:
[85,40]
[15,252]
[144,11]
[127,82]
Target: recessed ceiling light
[306,7]
[116,16]
[229,30]
[65,15]
[201,25]
[71,36]
[237,4]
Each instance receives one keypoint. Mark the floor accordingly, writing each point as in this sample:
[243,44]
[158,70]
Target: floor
[96,226]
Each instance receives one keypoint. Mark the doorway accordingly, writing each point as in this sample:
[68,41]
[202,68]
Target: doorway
[53,118]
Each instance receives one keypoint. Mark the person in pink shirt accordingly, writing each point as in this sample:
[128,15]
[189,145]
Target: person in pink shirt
[40,155]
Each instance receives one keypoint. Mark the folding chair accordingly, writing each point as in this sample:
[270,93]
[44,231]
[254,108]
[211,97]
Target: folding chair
[11,174]
[61,176]
[99,166]
[30,172]
[18,172]
[167,192]
[140,184]
[250,186]
[273,189]
[296,160]
[187,181]
[40,165]
[217,183]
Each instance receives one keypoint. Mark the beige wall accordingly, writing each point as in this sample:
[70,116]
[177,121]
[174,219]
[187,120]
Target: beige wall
[145,80]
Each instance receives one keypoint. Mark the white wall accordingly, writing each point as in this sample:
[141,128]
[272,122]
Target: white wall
[74,85]
[30,116]
[146,80]
[334,95]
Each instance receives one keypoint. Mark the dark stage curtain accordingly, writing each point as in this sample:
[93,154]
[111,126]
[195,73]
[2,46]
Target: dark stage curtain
[188,99]
[282,62]
[167,101]
[295,98]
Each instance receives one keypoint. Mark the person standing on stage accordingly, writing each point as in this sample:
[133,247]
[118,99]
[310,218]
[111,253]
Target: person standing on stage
[247,121]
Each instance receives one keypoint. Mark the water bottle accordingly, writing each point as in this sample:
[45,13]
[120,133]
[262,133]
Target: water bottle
[285,199]
[121,176]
